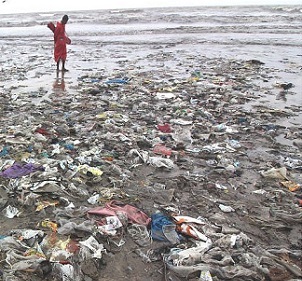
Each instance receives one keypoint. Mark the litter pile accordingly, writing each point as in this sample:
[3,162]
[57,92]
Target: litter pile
[173,171]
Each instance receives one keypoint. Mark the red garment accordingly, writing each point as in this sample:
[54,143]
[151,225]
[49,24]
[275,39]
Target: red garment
[114,207]
[60,40]
[51,26]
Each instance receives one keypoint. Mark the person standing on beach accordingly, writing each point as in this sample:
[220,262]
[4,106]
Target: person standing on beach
[60,41]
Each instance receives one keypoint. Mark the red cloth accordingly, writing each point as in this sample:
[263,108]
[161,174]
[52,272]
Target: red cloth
[164,128]
[51,26]
[161,149]
[133,214]
[60,40]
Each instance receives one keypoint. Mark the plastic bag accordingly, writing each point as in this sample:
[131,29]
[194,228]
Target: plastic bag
[273,173]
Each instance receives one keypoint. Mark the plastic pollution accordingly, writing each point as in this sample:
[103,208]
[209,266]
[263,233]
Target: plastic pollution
[18,170]
[187,226]
[102,116]
[181,122]
[4,151]
[49,224]
[170,233]
[96,249]
[65,272]
[161,162]
[226,209]
[275,173]
[43,131]
[214,148]
[60,255]
[187,261]
[111,225]
[260,191]
[87,170]
[164,96]
[234,143]
[69,227]
[293,163]
[220,186]
[292,186]
[165,128]
[158,221]
[242,120]
[161,149]
[224,128]
[124,80]
[10,212]
[205,275]
[139,234]
[185,271]
[46,204]
[154,161]
[26,234]
[118,143]
[123,211]
[144,256]
[94,199]
[69,146]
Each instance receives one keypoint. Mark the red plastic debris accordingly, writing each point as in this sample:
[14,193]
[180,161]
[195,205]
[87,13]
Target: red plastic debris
[164,128]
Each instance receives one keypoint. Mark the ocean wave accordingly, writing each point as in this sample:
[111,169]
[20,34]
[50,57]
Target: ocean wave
[46,15]
[128,11]
[290,10]
[263,25]
[236,14]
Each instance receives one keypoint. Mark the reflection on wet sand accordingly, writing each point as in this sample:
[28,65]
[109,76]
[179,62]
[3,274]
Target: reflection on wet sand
[59,84]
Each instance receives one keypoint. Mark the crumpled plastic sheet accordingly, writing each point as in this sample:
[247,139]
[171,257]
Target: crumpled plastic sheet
[204,257]
[96,249]
[139,234]
[154,161]
[66,272]
[275,173]
[22,257]
[230,257]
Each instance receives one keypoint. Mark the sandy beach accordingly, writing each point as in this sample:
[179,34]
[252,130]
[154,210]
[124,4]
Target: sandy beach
[184,111]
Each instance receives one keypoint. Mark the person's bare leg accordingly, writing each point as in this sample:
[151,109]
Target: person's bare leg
[63,66]
[58,65]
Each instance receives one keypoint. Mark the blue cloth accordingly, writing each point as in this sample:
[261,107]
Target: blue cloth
[158,220]
[4,151]
[117,81]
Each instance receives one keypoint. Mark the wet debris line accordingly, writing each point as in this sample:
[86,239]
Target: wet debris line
[174,174]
